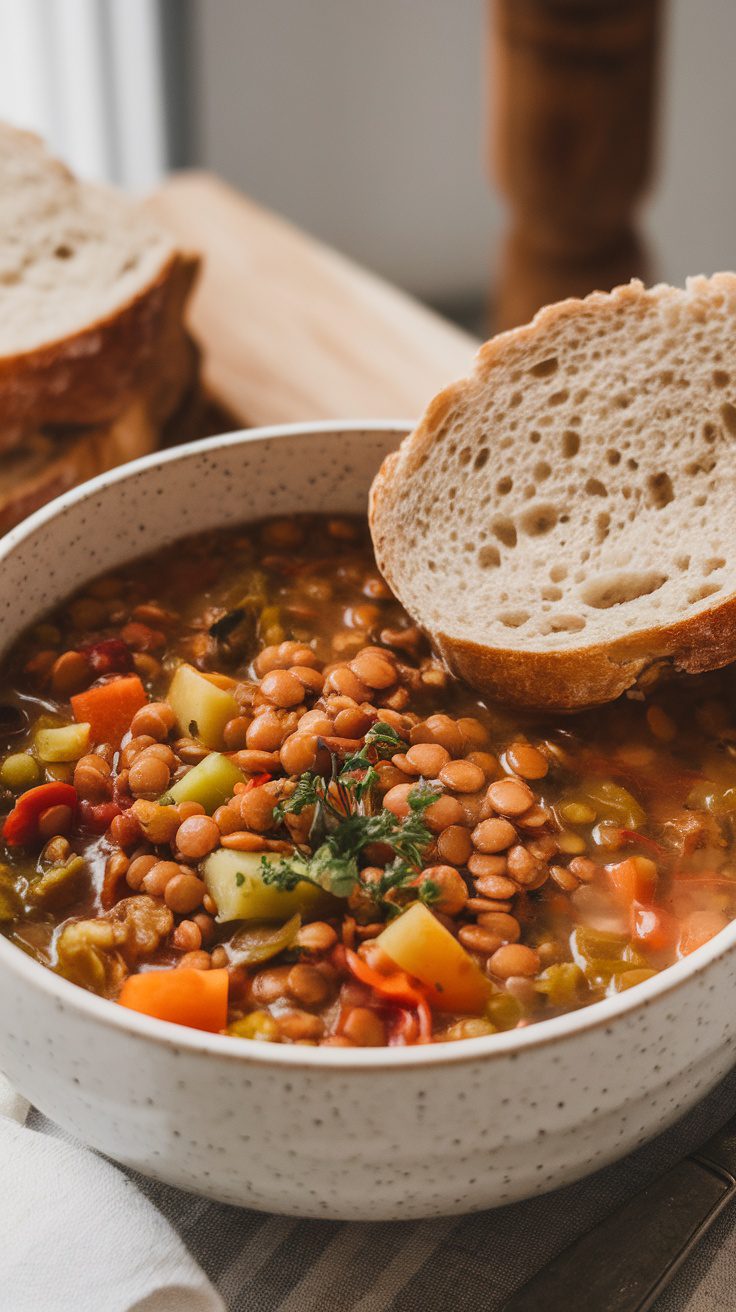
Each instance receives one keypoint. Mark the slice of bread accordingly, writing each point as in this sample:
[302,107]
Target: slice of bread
[50,461]
[564,520]
[45,466]
[90,292]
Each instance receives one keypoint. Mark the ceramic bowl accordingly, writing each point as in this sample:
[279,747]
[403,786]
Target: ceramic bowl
[350,1134]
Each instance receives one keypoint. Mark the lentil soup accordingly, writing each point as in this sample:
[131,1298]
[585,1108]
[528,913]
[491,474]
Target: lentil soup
[240,794]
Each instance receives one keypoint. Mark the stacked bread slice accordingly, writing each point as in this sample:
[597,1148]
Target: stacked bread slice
[94,356]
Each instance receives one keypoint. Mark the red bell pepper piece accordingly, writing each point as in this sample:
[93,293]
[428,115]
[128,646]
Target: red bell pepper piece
[98,816]
[396,987]
[108,656]
[631,836]
[21,826]
[257,781]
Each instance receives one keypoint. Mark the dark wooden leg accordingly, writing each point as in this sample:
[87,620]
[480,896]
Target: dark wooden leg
[573,84]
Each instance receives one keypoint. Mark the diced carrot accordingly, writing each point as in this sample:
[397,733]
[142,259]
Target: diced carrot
[633,880]
[109,707]
[197,998]
[652,927]
[21,825]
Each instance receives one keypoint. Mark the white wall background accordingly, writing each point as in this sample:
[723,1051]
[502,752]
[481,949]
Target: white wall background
[364,121]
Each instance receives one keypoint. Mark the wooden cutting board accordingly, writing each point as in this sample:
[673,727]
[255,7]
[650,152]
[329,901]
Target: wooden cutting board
[290,329]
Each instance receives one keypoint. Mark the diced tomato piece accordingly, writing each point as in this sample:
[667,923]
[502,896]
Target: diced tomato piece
[653,927]
[699,928]
[633,880]
[108,656]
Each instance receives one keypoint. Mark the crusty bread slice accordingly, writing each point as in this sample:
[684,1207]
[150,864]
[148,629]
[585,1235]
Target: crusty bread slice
[565,519]
[51,461]
[89,290]
[45,466]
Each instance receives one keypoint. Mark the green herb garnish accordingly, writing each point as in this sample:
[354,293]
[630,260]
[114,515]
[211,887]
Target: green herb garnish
[339,832]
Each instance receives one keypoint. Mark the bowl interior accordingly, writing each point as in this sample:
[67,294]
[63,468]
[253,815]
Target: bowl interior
[151,502]
[221,482]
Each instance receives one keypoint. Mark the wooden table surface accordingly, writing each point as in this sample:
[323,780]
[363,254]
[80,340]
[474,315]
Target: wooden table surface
[292,330]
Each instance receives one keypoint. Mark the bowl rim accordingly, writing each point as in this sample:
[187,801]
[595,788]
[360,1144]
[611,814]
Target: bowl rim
[199,1043]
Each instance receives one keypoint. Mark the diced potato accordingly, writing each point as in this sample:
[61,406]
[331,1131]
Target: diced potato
[67,743]
[234,881]
[421,946]
[201,708]
[210,783]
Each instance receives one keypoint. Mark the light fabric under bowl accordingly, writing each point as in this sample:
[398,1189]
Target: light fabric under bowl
[350,1134]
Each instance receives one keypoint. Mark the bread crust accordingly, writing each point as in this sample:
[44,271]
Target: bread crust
[52,461]
[574,678]
[91,376]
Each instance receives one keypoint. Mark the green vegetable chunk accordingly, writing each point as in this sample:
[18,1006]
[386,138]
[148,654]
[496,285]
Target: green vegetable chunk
[234,881]
[254,944]
[66,743]
[20,770]
[211,783]
[201,708]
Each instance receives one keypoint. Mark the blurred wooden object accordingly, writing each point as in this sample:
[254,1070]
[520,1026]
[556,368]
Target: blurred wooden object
[292,330]
[574,90]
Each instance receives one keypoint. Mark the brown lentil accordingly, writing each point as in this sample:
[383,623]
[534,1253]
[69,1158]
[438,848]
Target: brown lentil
[70,673]
[514,959]
[476,939]
[364,1028]
[300,1025]
[307,986]
[316,938]
[462,776]
[510,796]
[454,845]
[492,836]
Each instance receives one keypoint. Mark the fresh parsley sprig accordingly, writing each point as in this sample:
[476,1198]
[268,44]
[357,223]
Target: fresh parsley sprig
[334,865]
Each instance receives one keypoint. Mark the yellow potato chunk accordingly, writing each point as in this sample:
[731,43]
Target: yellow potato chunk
[421,946]
[201,708]
[235,883]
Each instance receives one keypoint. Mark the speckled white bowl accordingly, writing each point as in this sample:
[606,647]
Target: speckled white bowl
[374,1134]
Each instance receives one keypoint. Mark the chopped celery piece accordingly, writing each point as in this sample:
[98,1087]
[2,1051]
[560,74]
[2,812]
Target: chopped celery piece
[504,1011]
[562,983]
[256,1025]
[66,743]
[210,783]
[602,957]
[613,802]
[592,944]
[257,943]
[201,708]
[235,883]
[10,902]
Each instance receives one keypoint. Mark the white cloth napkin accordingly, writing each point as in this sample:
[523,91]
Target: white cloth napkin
[76,1235]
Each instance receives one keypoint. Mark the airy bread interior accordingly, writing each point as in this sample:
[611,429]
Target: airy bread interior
[579,487]
[71,253]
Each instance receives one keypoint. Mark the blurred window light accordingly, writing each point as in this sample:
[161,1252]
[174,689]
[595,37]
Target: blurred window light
[88,76]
